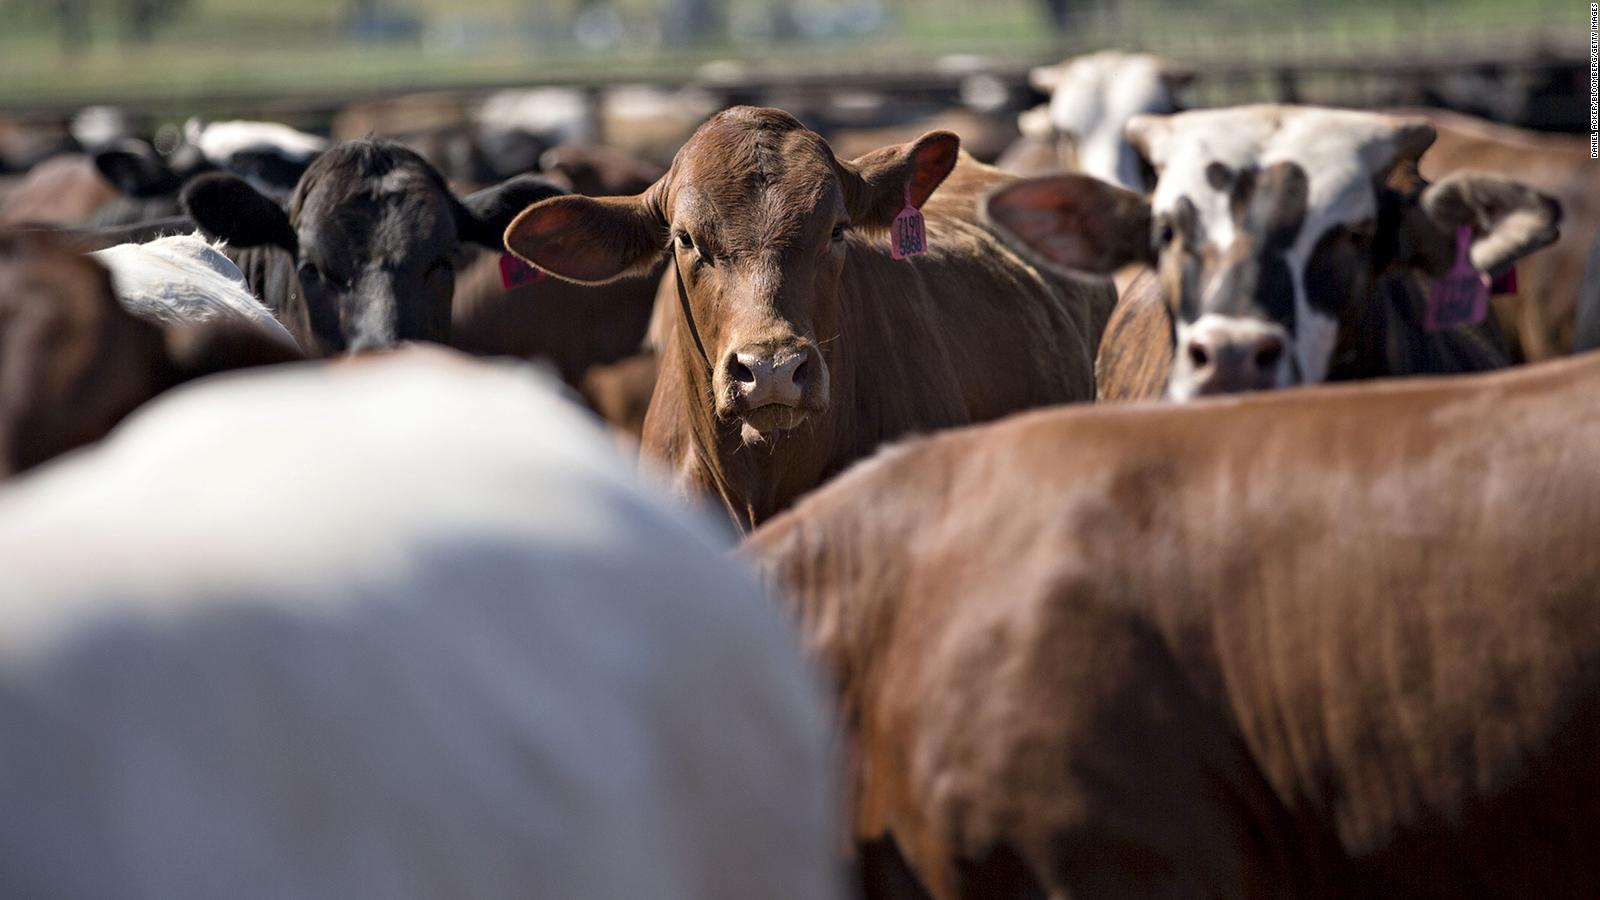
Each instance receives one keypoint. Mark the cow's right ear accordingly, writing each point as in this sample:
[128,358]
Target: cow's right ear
[1073,221]
[590,240]
[136,169]
[226,206]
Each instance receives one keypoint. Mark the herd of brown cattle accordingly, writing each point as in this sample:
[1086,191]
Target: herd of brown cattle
[1328,641]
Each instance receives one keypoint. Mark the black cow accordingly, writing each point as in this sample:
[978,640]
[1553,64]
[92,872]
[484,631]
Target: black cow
[365,254]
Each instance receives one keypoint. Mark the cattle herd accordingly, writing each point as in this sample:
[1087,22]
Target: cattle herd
[758,522]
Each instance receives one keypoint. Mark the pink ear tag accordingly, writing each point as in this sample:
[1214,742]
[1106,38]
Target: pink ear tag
[1462,296]
[908,235]
[515,273]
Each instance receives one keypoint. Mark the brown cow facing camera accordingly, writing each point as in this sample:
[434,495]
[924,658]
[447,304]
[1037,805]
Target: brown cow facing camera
[799,344]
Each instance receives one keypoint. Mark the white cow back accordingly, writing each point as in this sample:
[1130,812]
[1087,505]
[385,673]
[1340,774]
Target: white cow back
[185,280]
[400,628]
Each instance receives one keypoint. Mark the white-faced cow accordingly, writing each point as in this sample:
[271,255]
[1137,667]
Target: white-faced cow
[1283,256]
[799,343]
[1091,99]
[365,254]
[1338,642]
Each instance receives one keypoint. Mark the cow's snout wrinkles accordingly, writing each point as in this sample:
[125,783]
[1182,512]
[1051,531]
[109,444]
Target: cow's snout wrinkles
[760,377]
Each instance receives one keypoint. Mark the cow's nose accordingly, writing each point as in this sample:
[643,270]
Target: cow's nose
[761,377]
[1224,357]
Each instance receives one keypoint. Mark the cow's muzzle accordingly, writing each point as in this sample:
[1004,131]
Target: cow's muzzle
[772,388]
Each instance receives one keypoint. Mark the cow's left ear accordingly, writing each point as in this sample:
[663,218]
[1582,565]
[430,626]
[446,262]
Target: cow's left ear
[1076,222]
[877,186]
[1508,219]
[484,216]
[226,206]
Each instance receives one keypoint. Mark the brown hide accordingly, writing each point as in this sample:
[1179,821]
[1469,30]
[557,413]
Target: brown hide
[1334,642]
[598,171]
[985,136]
[1136,351]
[573,326]
[73,362]
[620,391]
[963,333]
[62,190]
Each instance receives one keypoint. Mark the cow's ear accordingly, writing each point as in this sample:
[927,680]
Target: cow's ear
[1073,221]
[589,240]
[226,206]
[1508,219]
[877,186]
[136,170]
[483,217]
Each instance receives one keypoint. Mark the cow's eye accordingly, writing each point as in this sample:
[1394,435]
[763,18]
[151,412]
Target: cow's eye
[309,273]
[1164,234]
[838,231]
[685,241]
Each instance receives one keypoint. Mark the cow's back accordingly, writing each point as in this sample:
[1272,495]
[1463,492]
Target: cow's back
[1365,663]
[394,628]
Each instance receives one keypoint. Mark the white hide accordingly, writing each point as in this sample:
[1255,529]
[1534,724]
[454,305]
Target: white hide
[185,280]
[560,114]
[1341,152]
[399,628]
[1092,100]
[221,141]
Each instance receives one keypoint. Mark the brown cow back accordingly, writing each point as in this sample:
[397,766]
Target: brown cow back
[1330,642]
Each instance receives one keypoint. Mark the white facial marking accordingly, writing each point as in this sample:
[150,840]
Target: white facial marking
[1341,153]
[1213,332]
[1095,97]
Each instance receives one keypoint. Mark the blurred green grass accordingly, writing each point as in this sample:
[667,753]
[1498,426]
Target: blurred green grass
[226,47]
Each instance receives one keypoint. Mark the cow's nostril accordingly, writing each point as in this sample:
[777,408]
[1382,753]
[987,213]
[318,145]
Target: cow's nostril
[1269,354]
[741,373]
[1198,356]
[802,374]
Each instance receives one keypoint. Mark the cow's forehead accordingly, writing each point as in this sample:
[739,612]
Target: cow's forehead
[742,150]
[756,176]
[1340,151]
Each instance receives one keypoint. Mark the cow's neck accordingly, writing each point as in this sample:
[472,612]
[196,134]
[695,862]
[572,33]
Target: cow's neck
[754,482]
[1383,336]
